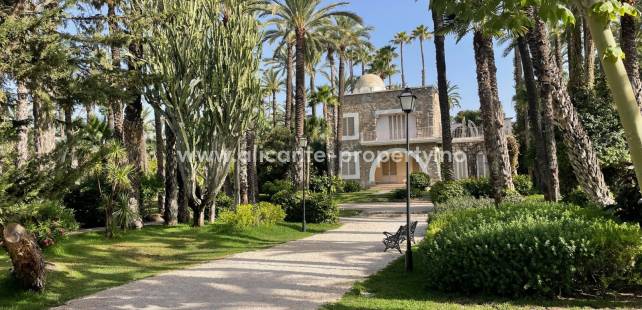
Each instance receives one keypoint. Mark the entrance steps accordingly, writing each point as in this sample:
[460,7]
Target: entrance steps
[386,188]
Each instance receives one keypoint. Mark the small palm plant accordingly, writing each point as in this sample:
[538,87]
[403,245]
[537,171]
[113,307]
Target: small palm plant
[117,176]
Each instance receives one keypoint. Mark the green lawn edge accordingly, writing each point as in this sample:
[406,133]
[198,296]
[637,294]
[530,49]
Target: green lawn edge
[84,264]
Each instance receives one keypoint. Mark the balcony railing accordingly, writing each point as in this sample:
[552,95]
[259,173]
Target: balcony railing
[422,133]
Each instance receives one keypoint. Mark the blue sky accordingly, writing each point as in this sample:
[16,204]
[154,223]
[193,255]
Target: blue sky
[391,16]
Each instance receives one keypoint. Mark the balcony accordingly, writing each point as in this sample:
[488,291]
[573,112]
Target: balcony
[423,134]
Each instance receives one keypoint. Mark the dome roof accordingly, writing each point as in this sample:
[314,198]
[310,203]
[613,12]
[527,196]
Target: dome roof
[369,83]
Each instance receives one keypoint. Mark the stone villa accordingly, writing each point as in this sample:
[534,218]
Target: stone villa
[374,137]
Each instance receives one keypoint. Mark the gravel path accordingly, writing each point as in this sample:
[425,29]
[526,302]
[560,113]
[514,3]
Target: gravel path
[302,274]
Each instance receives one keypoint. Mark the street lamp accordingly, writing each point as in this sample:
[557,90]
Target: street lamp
[303,143]
[407,101]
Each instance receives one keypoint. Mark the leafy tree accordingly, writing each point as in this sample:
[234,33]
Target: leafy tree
[210,97]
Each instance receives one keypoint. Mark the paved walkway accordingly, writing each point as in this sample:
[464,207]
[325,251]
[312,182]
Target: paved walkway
[302,274]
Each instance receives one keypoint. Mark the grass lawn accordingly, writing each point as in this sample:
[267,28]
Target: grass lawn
[349,213]
[393,289]
[87,263]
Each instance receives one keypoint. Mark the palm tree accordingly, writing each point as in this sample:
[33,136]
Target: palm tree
[442,88]
[421,33]
[581,152]
[325,96]
[272,83]
[454,98]
[302,17]
[400,39]
[345,33]
[284,59]
[382,65]
[546,168]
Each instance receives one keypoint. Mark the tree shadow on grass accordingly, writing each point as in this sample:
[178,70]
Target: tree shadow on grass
[393,285]
[87,263]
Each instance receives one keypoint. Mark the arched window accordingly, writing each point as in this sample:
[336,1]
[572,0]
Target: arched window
[461,165]
[482,165]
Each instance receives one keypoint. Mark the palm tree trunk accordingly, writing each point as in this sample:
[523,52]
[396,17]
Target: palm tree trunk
[160,156]
[170,213]
[447,167]
[581,153]
[403,72]
[69,132]
[575,60]
[89,111]
[589,57]
[273,109]
[22,121]
[288,86]
[339,109]
[243,173]
[628,34]
[312,91]
[252,175]
[559,61]
[423,63]
[116,108]
[492,117]
[541,115]
[329,139]
[133,141]
[300,99]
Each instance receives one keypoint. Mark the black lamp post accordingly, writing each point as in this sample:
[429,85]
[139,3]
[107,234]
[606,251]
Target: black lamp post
[407,101]
[303,143]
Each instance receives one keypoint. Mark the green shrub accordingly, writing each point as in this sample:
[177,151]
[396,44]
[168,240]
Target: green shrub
[523,185]
[241,218]
[269,214]
[577,197]
[444,190]
[352,187]
[319,207]
[247,215]
[48,220]
[419,180]
[477,188]
[327,184]
[86,203]
[400,193]
[464,202]
[224,202]
[528,249]
[273,187]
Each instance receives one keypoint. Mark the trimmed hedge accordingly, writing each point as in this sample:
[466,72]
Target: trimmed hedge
[352,187]
[526,248]
[400,193]
[445,190]
[319,207]
[479,188]
[419,180]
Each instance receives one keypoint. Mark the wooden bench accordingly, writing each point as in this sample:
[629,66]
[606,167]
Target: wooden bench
[394,241]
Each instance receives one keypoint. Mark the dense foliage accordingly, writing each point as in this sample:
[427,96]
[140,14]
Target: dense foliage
[446,190]
[47,220]
[319,207]
[528,248]
[419,180]
[247,215]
